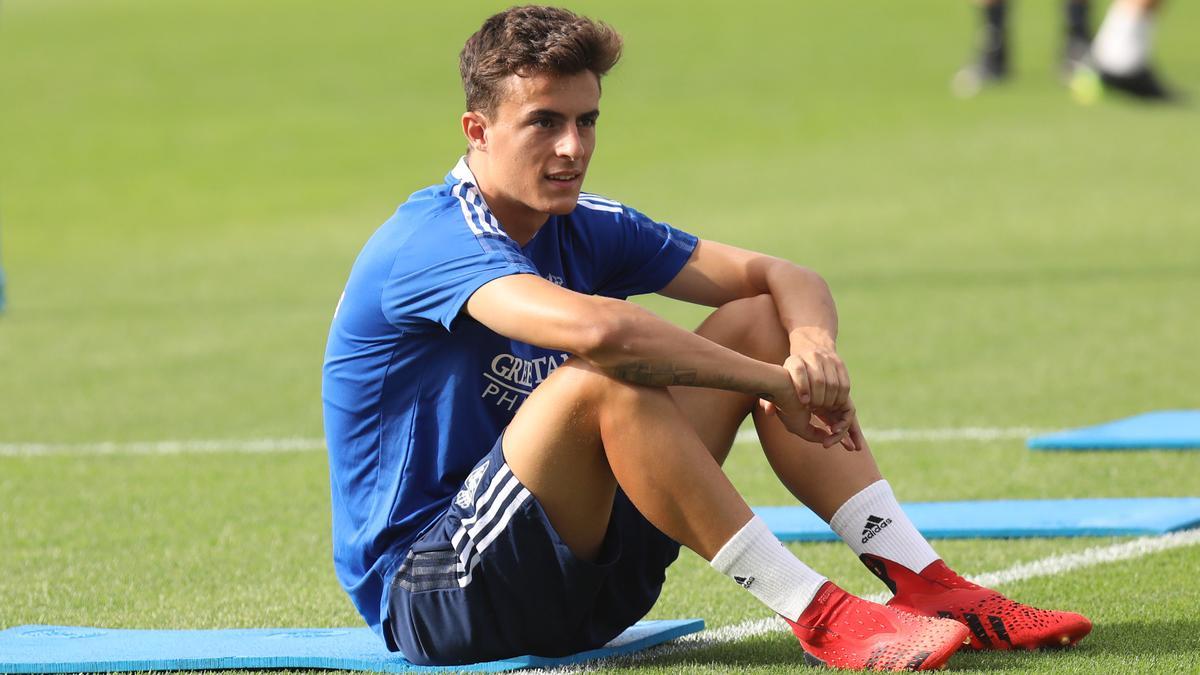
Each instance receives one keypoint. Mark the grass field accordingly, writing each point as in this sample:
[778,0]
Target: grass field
[184,185]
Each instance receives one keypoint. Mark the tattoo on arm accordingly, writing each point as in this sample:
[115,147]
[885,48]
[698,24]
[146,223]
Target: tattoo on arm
[659,374]
[655,374]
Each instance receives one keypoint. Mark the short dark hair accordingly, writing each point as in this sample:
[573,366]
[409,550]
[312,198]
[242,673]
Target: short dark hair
[530,40]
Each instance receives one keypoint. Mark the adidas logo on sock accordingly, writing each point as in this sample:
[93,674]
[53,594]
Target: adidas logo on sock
[744,582]
[873,527]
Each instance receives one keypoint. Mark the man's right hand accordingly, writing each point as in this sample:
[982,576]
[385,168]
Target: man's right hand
[827,425]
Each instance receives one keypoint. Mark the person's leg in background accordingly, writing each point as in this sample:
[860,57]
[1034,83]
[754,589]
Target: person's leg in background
[990,64]
[1123,47]
[1077,38]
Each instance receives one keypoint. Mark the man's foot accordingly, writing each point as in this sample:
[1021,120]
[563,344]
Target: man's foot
[843,631]
[995,622]
[1141,84]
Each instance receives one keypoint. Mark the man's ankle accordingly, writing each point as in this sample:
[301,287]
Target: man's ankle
[872,522]
[811,616]
[757,561]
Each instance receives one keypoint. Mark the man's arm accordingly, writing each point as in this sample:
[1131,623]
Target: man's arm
[632,344]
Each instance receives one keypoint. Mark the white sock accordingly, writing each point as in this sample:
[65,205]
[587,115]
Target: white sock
[1122,45]
[872,522]
[758,562]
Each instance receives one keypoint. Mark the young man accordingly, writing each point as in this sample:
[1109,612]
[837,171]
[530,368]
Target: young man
[516,452]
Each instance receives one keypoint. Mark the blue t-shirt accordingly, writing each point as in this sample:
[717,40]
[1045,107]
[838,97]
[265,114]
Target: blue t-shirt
[416,391]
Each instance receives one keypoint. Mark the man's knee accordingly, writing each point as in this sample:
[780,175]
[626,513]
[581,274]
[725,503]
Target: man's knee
[597,390]
[748,325]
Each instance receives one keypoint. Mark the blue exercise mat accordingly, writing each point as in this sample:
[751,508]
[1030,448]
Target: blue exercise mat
[1164,430]
[1013,518]
[71,649]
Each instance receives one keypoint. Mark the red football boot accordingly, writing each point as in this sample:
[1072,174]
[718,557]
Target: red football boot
[843,631]
[995,621]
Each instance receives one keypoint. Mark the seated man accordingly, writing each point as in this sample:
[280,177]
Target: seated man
[516,452]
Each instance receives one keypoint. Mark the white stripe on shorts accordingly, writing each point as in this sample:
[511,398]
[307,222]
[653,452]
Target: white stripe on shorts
[468,534]
[495,532]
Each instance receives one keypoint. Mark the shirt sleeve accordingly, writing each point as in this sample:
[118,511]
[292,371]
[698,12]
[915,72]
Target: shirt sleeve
[633,254]
[434,276]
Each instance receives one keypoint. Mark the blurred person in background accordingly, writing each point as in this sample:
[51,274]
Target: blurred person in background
[1119,57]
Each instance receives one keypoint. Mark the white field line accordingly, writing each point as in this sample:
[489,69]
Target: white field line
[1045,567]
[172,447]
[259,445]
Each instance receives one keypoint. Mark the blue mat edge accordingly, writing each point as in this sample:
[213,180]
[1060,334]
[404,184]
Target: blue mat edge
[670,630]
[1000,533]
[683,627]
[1069,439]
[1051,443]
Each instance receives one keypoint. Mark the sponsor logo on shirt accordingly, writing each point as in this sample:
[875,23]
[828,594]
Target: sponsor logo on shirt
[510,379]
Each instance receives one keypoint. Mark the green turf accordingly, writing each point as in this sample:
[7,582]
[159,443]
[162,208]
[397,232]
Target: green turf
[184,185]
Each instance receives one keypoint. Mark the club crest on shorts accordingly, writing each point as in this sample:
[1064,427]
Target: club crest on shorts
[465,498]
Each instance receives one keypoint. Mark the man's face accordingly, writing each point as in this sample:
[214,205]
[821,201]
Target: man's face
[540,138]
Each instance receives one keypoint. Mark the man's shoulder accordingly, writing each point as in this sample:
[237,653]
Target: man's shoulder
[431,217]
[458,210]
[434,203]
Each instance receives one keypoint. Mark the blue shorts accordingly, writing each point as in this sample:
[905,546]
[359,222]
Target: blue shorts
[491,579]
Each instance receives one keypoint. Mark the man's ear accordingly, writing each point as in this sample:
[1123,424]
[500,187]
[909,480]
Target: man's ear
[474,125]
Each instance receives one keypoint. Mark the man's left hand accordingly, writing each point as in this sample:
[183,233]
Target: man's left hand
[821,378]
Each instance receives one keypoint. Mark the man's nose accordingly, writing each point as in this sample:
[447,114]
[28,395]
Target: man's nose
[570,144]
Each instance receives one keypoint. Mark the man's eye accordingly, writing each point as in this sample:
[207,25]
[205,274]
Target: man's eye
[543,123]
[587,122]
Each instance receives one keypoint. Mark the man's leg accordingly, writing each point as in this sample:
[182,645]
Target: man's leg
[830,481]
[582,433]
[846,489]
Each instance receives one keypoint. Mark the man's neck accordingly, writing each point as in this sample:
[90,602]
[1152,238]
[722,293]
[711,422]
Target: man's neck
[520,222]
